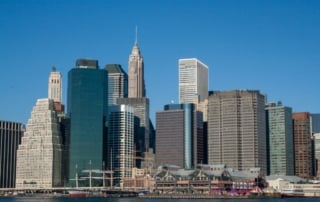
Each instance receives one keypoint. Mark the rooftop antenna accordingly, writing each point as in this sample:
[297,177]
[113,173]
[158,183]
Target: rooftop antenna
[136,41]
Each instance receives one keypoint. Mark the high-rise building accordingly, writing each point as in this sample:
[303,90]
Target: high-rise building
[87,110]
[315,119]
[117,83]
[142,126]
[39,154]
[302,144]
[55,85]
[121,141]
[193,80]
[237,129]
[138,100]
[136,73]
[179,136]
[317,154]
[10,137]
[280,140]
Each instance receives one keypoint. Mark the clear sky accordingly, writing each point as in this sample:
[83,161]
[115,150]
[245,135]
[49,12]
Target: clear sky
[267,45]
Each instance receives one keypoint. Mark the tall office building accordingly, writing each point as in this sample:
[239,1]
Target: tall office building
[10,137]
[317,153]
[179,139]
[142,126]
[55,85]
[237,129]
[117,83]
[138,100]
[315,120]
[87,110]
[55,90]
[302,144]
[136,73]
[121,141]
[39,154]
[280,140]
[193,80]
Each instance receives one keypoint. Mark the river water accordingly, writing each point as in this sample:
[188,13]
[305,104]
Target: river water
[153,200]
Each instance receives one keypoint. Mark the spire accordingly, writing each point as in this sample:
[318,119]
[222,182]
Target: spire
[136,40]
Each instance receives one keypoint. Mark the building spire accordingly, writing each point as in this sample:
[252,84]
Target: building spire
[136,40]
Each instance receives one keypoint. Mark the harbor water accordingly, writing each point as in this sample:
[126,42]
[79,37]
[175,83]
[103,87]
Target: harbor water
[31,199]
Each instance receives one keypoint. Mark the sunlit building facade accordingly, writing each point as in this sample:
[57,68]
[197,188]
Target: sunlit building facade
[237,129]
[39,155]
[121,142]
[193,80]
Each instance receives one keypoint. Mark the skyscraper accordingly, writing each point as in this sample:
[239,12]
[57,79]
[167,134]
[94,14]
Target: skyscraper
[138,100]
[55,86]
[237,129]
[193,80]
[117,83]
[317,154]
[280,140]
[10,138]
[315,119]
[179,134]
[39,154]
[87,110]
[136,73]
[302,144]
[121,141]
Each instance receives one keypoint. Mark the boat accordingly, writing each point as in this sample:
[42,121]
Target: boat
[78,193]
[292,192]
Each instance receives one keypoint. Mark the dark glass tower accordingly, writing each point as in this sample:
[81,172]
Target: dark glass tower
[87,110]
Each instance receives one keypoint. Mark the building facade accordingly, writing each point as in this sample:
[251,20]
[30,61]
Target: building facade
[142,125]
[237,129]
[121,142]
[39,155]
[302,144]
[136,73]
[10,137]
[315,120]
[117,83]
[317,153]
[87,111]
[193,80]
[179,139]
[280,140]
[55,85]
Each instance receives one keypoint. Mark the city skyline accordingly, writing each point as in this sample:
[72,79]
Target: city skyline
[269,46]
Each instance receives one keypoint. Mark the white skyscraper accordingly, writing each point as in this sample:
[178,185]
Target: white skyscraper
[39,154]
[121,140]
[193,80]
[55,85]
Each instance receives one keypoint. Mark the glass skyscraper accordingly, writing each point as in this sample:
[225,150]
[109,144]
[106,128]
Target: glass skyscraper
[280,140]
[87,110]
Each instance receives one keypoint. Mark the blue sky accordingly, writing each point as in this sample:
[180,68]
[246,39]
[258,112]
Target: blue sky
[267,45]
